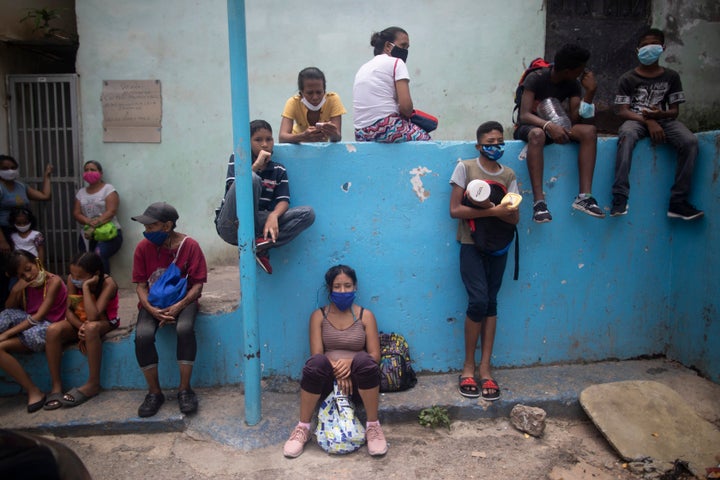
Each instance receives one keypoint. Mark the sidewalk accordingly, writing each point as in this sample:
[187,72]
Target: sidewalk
[220,417]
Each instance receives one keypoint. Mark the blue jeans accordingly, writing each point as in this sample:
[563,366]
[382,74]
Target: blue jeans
[291,223]
[677,135]
[104,249]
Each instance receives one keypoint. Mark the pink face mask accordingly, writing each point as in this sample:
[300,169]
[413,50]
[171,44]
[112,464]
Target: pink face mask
[92,177]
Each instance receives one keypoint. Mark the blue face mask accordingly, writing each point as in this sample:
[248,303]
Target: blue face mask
[158,238]
[493,152]
[342,300]
[649,54]
[77,283]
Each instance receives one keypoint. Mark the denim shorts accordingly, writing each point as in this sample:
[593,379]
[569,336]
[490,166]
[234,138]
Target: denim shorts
[34,337]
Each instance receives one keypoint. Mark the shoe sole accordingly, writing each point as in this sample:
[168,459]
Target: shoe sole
[261,265]
[619,214]
[545,220]
[692,217]
[588,212]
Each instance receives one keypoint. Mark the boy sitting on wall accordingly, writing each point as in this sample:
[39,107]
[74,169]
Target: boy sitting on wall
[560,81]
[648,99]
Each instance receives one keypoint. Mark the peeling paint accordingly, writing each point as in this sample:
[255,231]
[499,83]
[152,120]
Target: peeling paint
[346,186]
[581,265]
[350,148]
[417,184]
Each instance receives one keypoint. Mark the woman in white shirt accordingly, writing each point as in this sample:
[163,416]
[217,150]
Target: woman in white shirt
[381,93]
[95,209]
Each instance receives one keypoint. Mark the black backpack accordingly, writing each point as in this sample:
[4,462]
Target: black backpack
[396,372]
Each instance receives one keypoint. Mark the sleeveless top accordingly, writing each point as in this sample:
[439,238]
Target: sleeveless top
[34,297]
[351,339]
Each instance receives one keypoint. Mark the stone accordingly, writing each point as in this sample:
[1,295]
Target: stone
[528,419]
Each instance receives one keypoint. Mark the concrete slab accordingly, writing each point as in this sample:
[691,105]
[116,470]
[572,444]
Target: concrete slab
[648,419]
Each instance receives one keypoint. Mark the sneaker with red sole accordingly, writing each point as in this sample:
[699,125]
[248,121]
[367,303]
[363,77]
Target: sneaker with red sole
[263,260]
[296,443]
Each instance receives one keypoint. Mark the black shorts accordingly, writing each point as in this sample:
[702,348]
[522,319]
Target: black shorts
[482,276]
[522,131]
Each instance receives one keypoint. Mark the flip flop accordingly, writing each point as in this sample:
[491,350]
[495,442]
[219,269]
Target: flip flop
[489,384]
[53,401]
[74,397]
[468,387]
[34,407]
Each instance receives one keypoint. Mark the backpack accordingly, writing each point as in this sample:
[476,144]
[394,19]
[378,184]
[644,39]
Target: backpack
[536,64]
[396,372]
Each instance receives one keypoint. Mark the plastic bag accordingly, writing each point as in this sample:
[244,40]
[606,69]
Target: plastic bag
[169,289]
[339,430]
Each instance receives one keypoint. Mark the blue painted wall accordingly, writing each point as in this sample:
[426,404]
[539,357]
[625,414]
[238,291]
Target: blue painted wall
[588,290]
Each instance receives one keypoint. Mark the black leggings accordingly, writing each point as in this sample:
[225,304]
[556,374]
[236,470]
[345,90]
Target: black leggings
[147,325]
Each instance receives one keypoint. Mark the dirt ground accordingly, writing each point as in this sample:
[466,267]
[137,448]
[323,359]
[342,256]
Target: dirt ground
[477,449]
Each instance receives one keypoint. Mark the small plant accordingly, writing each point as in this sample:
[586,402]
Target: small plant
[41,18]
[434,417]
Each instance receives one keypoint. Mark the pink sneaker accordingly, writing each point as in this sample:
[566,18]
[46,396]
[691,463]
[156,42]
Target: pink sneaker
[376,443]
[296,443]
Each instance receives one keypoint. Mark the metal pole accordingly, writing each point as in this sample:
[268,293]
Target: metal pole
[243,190]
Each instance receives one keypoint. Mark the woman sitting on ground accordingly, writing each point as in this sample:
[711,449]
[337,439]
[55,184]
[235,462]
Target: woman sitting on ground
[345,347]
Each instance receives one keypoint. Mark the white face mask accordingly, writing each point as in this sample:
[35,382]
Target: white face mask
[22,228]
[310,106]
[9,175]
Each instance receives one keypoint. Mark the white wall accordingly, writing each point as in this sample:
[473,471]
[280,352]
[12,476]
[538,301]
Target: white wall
[184,45]
[465,55]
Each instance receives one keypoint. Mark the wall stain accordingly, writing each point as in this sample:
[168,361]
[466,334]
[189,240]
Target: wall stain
[417,184]
[346,186]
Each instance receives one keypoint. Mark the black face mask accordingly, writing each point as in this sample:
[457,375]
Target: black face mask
[400,53]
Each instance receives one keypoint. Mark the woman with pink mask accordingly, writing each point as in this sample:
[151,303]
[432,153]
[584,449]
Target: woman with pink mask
[95,209]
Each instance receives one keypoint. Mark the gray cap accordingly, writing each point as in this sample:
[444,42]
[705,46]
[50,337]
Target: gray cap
[158,212]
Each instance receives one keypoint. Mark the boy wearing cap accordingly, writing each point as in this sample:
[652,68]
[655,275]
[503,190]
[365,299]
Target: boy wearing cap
[162,246]
[481,272]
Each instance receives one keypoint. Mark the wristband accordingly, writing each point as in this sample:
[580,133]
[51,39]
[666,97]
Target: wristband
[31,321]
[545,126]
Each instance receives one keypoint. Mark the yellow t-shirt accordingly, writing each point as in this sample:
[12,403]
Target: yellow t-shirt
[297,112]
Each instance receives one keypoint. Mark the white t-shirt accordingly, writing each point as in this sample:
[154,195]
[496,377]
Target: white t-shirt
[93,205]
[374,95]
[29,243]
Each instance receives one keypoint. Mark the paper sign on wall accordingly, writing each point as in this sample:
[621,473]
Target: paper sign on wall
[132,111]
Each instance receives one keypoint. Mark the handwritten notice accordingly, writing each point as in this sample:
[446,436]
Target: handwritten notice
[132,111]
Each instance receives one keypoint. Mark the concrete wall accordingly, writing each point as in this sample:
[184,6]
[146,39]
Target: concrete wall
[186,48]
[692,36]
[588,290]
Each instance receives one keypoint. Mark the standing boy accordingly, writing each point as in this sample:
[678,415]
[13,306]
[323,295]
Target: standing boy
[482,271]
[648,99]
[560,81]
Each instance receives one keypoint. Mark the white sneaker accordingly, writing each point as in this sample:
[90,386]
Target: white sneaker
[296,443]
[376,443]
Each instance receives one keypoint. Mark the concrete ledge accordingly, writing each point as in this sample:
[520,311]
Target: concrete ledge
[220,417]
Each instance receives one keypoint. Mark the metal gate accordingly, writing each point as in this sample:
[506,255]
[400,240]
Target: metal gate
[44,129]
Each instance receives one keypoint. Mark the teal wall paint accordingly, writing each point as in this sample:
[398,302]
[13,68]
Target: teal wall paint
[588,290]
